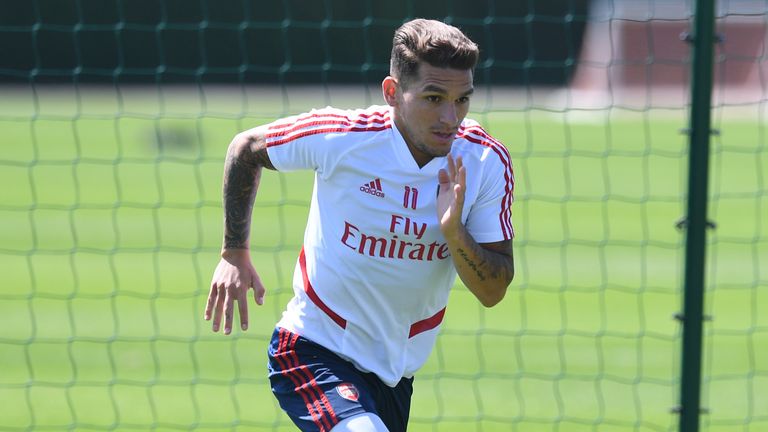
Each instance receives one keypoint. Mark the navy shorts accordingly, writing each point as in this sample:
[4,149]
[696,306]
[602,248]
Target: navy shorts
[318,389]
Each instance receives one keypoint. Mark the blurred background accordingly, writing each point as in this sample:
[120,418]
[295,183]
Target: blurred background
[115,116]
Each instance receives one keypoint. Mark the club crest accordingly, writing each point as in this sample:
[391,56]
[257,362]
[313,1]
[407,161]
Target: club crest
[348,391]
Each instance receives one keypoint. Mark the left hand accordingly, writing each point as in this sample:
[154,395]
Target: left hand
[450,195]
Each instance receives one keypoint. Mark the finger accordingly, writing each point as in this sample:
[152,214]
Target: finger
[459,165]
[451,167]
[242,309]
[443,179]
[443,176]
[462,180]
[209,304]
[258,290]
[229,309]
[460,187]
[218,308]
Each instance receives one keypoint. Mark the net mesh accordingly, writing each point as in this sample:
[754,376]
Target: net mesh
[115,117]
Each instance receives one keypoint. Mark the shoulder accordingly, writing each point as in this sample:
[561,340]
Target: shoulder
[489,159]
[476,143]
[328,120]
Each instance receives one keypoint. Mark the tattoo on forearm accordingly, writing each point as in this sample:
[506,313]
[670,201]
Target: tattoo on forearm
[241,180]
[472,264]
[238,203]
[488,264]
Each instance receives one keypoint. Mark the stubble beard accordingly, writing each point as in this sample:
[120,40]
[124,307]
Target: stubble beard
[421,146]
[433,151]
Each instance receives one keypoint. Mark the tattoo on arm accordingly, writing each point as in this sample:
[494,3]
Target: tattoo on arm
[242,173]
[492,263]
[471,263]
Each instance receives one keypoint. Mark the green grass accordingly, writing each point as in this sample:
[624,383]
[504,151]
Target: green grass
[109,241]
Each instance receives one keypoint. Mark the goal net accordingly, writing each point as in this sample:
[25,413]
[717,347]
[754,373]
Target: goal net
[115,117]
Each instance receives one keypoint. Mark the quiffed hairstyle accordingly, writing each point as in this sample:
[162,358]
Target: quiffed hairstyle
[434,42]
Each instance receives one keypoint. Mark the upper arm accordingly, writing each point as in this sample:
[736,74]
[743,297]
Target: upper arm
[503,257]
[503,247]
[489,215]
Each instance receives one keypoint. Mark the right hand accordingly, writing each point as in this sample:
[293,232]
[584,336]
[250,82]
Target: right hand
[232,278]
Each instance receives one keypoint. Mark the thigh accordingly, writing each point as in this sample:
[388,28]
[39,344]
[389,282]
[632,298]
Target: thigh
[316,388]
[393,403]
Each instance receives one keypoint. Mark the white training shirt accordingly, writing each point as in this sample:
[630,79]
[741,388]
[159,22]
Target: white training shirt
[373,278]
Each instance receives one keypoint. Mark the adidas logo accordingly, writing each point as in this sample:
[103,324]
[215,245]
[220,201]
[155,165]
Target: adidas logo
[373,188]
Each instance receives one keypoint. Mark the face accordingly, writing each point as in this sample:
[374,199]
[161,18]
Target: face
[429,108]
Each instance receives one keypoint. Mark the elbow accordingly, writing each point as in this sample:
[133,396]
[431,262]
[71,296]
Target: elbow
[494,297]
[238,147]
[247,149]
[492,300]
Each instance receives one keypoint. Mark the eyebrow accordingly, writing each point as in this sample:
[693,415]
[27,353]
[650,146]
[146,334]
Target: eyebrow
[431,88]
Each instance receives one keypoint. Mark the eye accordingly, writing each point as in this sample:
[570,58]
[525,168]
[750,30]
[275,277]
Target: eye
[463,100]
[433,98]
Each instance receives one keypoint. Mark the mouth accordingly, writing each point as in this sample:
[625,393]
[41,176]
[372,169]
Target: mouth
[444,136]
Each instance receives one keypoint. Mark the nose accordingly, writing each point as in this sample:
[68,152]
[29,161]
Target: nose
[449,115]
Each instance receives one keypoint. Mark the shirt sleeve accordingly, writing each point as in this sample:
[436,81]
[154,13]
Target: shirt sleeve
[490,218]
[305,141]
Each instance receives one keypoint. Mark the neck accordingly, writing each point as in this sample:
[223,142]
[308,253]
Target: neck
[419,156]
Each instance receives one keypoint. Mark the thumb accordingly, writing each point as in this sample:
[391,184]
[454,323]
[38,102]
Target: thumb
[258,295]
[258,289]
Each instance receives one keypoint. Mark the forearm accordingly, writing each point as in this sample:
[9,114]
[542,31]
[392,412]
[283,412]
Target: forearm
[242,173]
[486,270]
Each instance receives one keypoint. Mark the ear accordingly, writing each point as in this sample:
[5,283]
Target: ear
[389,88]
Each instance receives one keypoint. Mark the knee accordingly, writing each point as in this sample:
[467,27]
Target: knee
[366,422]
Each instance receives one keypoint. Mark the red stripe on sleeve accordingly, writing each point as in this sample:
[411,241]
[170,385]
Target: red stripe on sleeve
[293,137]
[486,140]
[375,117]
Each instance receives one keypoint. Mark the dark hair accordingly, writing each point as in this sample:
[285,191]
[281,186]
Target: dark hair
[434,42]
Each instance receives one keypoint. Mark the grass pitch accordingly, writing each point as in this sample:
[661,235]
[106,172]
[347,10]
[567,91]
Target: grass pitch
[112,224]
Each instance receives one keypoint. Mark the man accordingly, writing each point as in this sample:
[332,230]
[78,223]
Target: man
[406,196]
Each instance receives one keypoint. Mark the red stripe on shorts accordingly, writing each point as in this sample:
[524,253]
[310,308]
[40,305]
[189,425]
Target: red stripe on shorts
[320,400]
[282,358]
